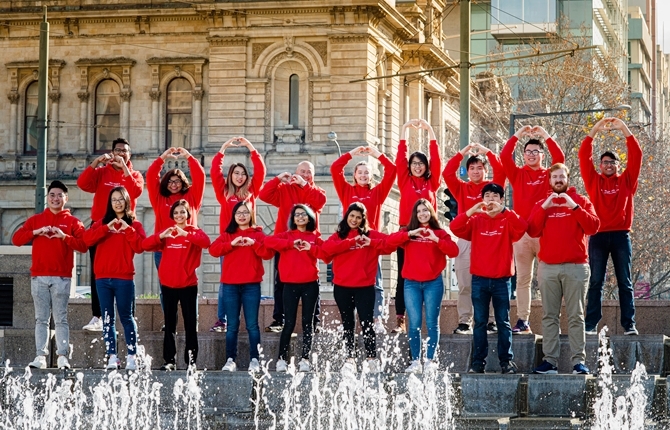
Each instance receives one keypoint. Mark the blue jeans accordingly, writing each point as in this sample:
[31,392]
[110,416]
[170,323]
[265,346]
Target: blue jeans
[248,298]
[485,291]
[220,305]
[418,295]
[123,291]
[601,246]
[379,290]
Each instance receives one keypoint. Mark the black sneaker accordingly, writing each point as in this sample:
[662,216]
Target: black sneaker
[463,329]
[477,368]
[275,327]
[491,328]
[631,331]
[508,368]
[169,367]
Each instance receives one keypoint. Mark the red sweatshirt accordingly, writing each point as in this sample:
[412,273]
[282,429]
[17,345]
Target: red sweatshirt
[357,267]
[492,253]
[52,256]
[285,196]
[103,179]
[372,197]
[529,185]
[243,264]
[220,185]
[116,249]
[295,266]
[563,231]
[468,193]
[413,188]
[612,196]
[181,256]
[424,259]
[161,204]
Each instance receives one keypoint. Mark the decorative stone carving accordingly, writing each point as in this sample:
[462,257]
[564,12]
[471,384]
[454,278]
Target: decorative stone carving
[256,51]
[198,94]
[83,96]
[125,95]
[322,49]
[227,41]
[289,140]
[155,95]
[13,97]
[54,97]
[289,41]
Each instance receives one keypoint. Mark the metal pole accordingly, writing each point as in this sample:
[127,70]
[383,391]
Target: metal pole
[464,69]
[42,85]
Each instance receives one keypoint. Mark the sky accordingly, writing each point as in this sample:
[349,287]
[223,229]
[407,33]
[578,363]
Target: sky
[663,14]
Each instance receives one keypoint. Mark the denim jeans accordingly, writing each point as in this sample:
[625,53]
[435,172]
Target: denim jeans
[245,297]
[485,291]
[95,300]
[51,294]
[220,305]
[123,291]
[601,246]
[417,295]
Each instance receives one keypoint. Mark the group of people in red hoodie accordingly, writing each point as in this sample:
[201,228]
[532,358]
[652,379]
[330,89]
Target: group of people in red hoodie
[552,219]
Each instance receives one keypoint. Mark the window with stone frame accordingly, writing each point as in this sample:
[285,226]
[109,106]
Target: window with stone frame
[294,101]
[30,120]
[179,114]
[107,115]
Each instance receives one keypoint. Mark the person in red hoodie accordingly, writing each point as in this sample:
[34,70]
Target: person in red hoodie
[105,173]
[612,194]
[242,245]
[467,194]
[300,273]
[238,186]
[362,190]
[118,236]
[417,178]
[55,234]
[285,191]
[562,221]
[354,250]
[492,229]
[182,246]
[530,184]
[426,244]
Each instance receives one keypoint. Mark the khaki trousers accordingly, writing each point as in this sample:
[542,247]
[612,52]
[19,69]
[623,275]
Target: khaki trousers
[525,252]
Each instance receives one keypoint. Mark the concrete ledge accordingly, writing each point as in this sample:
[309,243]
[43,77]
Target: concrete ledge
[490,395]
[557,396]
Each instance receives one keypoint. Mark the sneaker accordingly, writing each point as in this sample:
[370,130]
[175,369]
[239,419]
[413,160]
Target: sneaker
[546,368]
[591,332]
[230,365]
[63,362]
[463,329]
[349,366]
[414,367]
[169,367]
[275,327]
[522,327]
[304,366]
[40,362]
[430,366]
[281,366]
[379,326]
[491,328]
[371,365]
[631,331]
[477,368]
[401,326]
[94,325]
[219,327]
[580,369]
[508,368]
[113,362]
[254,365]
[131,363]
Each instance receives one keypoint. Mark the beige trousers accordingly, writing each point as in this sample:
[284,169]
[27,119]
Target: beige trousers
[525,252]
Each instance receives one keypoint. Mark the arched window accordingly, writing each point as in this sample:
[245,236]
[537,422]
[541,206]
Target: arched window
[179,115]
[294,101]
[107,114]
[30,120]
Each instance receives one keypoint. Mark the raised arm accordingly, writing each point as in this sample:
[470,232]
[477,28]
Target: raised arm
[259,173]
[586,167]
[337,173]
[271,192]
[450,173]
[461,226]
[497,167]
[555,151]
[384,187]
[197,178]
[154,177]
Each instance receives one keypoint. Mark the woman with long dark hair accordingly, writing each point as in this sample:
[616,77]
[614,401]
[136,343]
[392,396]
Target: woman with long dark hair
[118,236]
[242,245]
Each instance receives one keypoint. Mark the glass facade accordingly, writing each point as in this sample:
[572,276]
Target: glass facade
[520,11]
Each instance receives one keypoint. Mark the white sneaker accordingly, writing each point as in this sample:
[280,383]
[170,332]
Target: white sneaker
[94,325]
[371,365]
[379,327]
[414,367]
[254,365]
[40,362]
[349,366]
[281,366]
[430,366]
[131,363]
[113,362]
[230,366]
[304,366]
[63,363]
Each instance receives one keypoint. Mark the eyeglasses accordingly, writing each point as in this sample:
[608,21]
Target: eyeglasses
[610,162]
[174,181]
[417,164]
[533,152]
[59,195]
[243,213]
[118,200]
[120,151]
[300,215]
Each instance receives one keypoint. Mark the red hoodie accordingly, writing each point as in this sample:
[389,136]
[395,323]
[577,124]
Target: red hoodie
[357,267]
[612,196]
[295,266]
[371,197]
[116,249]
[424,259]
[413,188]
[529,185]
[52,256]
[285,196]
[492,253]
[468,193]
[563,231]
[220,186]
[181,256]
[161,204]
[103,179]
[243,264]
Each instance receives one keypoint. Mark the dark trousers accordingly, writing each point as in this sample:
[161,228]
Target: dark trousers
[293,293]
[95,301]
[188,297]
[400,289]
[361,300]
[278,310]
[484,292]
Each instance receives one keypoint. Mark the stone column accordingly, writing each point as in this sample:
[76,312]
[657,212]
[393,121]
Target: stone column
[125,114]
[196,133]
[54,125]
[155,115]
[384,96]
[436,118]
[13,121]
[83,120]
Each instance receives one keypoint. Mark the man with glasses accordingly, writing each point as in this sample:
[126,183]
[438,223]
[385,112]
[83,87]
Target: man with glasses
[106,172]
[612,194]
[530,184]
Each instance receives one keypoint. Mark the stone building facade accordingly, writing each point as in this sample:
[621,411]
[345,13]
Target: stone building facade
[193,74]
